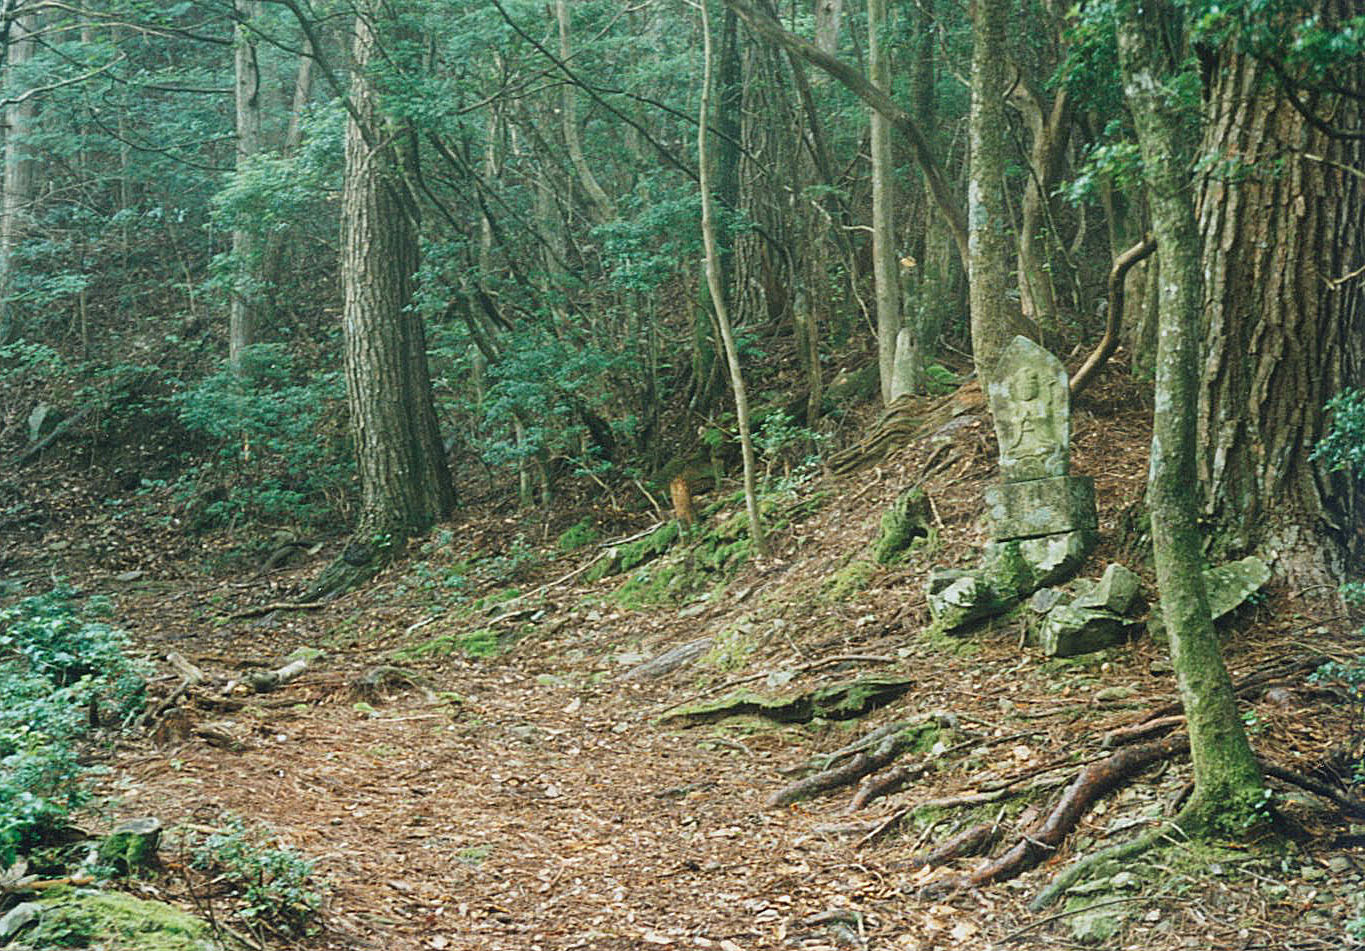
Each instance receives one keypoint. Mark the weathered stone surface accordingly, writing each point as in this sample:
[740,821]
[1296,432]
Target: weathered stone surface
[1097,926]
[1041,507]
[957,598]
[1022,566]
[1032,408]
[1073,629]
[42,420]
[1115,592]
[1228,587]
[132,845]
[907,519]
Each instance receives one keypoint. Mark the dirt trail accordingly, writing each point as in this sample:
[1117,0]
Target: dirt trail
[542,812]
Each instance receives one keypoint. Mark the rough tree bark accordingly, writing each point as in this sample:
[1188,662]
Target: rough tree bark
[405,484]
[1282,216]
[1228,785]
[994,322]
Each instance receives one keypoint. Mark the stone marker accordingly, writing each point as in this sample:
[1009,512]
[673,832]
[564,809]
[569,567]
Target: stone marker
[1042,519]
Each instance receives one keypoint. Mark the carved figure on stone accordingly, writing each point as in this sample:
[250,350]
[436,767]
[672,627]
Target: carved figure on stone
[1032,411]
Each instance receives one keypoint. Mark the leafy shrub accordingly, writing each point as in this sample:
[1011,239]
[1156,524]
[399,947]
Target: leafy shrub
[62,671]
[280,451]
[276,885]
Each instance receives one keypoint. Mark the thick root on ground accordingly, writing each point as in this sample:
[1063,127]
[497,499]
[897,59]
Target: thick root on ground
[1094,781]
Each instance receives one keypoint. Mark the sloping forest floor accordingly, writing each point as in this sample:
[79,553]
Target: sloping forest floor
[509,783]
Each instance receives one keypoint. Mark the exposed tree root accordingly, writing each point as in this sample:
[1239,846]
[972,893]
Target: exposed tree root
[1094,781]
[1078,870]
[1347,804]
[904,421]
[859,766]
[974,840]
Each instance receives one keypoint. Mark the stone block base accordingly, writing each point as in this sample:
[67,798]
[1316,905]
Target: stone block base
[1041,507]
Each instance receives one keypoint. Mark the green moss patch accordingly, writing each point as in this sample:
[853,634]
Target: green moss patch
[115,922]
[482,642]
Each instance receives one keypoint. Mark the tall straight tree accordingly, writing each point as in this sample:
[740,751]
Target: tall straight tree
[988,238]
[404,481]
[245,297]
[717,291]
[1227,780]
[884,257]
[21,168]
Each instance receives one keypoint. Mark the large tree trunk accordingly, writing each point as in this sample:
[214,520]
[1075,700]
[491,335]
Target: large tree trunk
[21,170]
[1283,222]
[1227,780]
[405,484]
[244,306]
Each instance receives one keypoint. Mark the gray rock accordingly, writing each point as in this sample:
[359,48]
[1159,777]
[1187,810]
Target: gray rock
[1045,599]
[1022,566]
[1070,630]
[1096,927]
[1041,507]
[1116,591]
[18,917]
[1227,586]
[42,420]
[1031,405]
[957,598]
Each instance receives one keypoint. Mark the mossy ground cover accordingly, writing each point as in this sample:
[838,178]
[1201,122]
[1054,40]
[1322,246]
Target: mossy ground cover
[113,921]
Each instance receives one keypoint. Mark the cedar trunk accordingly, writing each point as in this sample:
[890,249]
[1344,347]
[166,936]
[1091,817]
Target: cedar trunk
[1282,217]
[405,484]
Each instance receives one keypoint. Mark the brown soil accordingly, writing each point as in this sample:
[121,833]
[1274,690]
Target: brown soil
[534,800]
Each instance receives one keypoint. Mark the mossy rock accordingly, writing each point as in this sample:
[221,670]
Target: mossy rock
[131,847]
[834,702]
[907,519]
[115,922]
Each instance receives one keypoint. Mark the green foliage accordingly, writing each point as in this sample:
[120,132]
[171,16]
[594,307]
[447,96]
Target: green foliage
[279,452]
[62,671]
[276,884]
[1343,449]
[29,362]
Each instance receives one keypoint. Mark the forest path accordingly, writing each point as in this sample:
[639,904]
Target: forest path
[546,808]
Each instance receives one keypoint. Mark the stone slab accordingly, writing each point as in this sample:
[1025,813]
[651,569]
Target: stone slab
[1041,507]
[1071,629]
[1021,566]
[1031,404]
